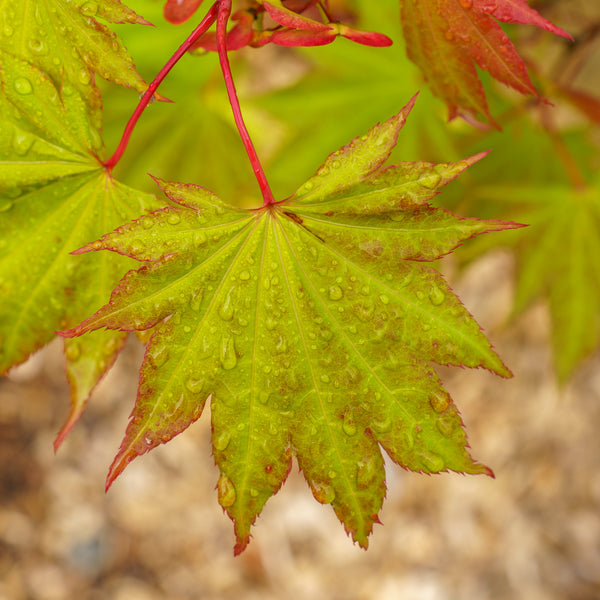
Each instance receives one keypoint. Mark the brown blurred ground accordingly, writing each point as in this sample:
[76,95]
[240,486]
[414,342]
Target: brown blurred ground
[532,533]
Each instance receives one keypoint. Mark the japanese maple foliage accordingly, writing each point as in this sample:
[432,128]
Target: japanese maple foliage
[447,39]
[311,323]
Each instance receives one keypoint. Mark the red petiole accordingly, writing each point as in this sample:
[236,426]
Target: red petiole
[220,12]
[208,20]
[222,19]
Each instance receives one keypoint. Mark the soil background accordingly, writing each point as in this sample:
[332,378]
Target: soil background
[533,532]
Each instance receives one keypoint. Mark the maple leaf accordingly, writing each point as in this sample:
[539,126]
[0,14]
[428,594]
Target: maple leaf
[557,259]
[448,38]
[312,324]
[64,39]
[55,195]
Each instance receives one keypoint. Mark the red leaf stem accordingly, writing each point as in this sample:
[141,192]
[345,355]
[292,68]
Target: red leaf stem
[206,22]
[224,12]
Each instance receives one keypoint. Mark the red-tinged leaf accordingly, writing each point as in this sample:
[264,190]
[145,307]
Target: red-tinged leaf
[290,19]
[367,38]
[88,359]
[299,37]
[450,75]
[447,38]
[238,36]
[112,11]
[486,44]
[515,11]
[179,11]
[311,325]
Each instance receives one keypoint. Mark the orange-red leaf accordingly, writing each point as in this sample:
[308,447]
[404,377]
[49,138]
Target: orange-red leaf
[447,39]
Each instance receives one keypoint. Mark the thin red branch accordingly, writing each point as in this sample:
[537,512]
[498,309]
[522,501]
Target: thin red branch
[224,13]
[206,22]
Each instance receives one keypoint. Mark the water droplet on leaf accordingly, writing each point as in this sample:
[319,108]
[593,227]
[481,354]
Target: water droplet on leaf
[436,295]
[432,462]
[323,492]
[228,355]
[23,86]
[226,491]
[194,385]
[158,355]
[335,292]
[431,180]
[89,9]
[439,401]
[348,423]
[222,441]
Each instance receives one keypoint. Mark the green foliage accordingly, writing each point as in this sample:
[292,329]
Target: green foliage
[311,324]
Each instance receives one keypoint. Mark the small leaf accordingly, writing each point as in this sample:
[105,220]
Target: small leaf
[311,325]
[64,39]
[447,38]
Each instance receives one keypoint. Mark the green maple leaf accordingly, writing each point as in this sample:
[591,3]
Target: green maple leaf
[557,259]
[64,39]
[55,195]
[312,325]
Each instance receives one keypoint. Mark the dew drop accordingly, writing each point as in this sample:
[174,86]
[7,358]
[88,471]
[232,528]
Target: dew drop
[323,492]
[194,385]
[22,142]
[430,181]
[325,378]
[8,30]
[439,401]
[336,164]
[23,86]
[222,441]
[384,299]
[367,471]
[196,300]
[158,355]
[335,292]
[147,222]
[89,9]
[446,426]
[253,492]
[436,295]
[263,397]
[84,76]
[226,309]
[348,424]
[38,47]
[199,239]
[226,491]
[244,275]
[173,219]
[432,462]
[308,185]
[137,246]
[228,355]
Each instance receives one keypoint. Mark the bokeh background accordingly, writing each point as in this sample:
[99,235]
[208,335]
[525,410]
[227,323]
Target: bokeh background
[533,532]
